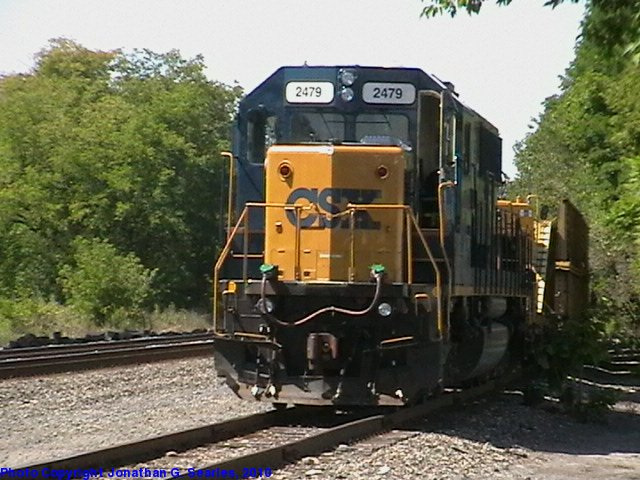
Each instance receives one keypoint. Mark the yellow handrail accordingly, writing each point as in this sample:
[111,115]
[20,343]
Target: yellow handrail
[220,262]
[410,220]
[352,244]
[409,248]
[441,325]
[229,155]
[296,266]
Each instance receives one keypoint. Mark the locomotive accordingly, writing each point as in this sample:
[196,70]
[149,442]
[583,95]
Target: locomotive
[369,259]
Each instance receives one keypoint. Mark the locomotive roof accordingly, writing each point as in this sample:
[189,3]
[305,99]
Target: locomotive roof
[270,91]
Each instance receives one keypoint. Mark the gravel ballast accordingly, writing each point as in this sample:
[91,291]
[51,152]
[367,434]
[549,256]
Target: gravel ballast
[58,415]
[498,438]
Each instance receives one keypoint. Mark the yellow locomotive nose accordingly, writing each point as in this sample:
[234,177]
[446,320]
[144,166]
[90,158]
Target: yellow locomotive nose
[317,236]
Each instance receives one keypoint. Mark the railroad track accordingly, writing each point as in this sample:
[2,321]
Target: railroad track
[21,362]
[258,443]
[625,361]
[621,362]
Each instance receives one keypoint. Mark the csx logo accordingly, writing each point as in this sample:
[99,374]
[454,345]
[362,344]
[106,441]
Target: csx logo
[334,200]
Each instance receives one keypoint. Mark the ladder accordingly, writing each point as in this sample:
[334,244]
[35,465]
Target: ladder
[541,245]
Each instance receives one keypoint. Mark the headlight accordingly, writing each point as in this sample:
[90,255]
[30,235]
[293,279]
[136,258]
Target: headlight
[268,306]
[384,309]
[346,94]
[347,77]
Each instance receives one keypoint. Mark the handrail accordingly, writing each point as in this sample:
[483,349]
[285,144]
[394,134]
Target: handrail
[352,244]
[221,259]
[409,221]
[297,242]
[229,155]
[245,248]
[411,216]
[243,218]
[409,248]
[441,325]
[441,187]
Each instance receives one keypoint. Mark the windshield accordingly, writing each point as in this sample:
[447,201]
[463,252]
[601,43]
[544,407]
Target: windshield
[372,125]
[317,127]
[326,126]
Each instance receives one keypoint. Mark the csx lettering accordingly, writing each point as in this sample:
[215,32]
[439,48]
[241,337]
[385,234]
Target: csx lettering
[333,201]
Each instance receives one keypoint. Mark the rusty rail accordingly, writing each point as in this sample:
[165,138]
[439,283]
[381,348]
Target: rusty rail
[354,428]
[23,362]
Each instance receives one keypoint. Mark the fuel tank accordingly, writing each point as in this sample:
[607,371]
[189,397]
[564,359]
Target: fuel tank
[479,353]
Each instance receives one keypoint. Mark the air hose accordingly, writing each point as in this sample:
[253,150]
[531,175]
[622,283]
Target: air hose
[378,274]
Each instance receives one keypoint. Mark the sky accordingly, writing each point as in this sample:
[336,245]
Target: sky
[503,62]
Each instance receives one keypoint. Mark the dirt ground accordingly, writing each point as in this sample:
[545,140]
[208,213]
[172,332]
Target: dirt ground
[496,438]
[554,445]
[607,450]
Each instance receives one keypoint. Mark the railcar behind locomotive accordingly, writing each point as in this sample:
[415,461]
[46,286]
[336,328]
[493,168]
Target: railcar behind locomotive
[368,259]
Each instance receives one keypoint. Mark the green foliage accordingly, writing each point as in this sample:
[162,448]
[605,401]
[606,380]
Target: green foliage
[6,332]
[39,317]
[173,319]
[589,137]
[451,7]
[564,346]
[64,59]
[118,147]
[590,406]
[616,24]
[110,287]
[561,349]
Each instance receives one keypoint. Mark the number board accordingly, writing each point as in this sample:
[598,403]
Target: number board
[396,93]
[309,92]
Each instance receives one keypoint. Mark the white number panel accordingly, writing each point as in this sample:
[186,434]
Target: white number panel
[309,92]
[396,93]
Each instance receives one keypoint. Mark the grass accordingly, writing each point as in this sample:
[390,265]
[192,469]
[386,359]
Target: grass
[177,320]
[42,318]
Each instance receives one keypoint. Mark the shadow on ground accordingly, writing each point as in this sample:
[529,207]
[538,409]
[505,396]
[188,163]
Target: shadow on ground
[505,422]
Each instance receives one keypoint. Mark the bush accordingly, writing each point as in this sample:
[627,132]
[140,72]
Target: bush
[39,317]
[563,346]
[110,287]
[5,331]
[561,349]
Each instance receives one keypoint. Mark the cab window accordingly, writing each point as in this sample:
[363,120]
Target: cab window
[261,134]
[317,127]
[382,124]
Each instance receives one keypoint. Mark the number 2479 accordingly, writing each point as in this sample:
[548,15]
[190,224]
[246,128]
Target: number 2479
[306,92]
[388,92]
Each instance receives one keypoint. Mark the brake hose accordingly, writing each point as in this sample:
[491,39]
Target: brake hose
[332,309]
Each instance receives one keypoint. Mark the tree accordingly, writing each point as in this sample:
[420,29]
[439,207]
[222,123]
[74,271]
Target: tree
[122,148]
[110,287]
[608,30]
[451,7]
[588,135]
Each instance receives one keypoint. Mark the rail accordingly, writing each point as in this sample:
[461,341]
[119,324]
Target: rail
[271,454]
[409,225]
[24,362]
